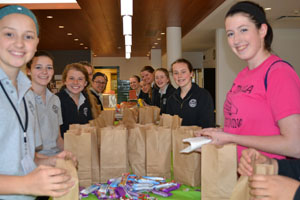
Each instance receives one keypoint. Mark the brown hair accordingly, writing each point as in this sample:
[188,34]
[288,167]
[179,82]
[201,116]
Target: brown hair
[148,69]
[164,70]
[182,60]
[38,54]
[86,63]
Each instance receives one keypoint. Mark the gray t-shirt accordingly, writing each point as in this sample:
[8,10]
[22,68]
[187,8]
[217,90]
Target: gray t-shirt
[12,146]
[50,118]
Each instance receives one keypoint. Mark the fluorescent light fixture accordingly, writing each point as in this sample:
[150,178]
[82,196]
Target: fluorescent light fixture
[36,1]
[127,25]
[128,40]
[128,49]
[127,56]
[126,7]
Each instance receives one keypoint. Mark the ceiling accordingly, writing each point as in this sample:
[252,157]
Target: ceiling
[97,24]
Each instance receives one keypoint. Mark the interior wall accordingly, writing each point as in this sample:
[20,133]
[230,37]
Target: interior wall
[128,67]
[227,67]
[62,58]
[286,44]
[210,58]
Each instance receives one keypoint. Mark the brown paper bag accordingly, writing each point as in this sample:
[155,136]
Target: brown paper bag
[218,171]
[158,151]
[80,146]
[129,117]
[94,153]
[186,167]
[137,150]
[156,114]
[170,121]
[73,194]
[241,190]
[146,115]
[113,153]
[109,117]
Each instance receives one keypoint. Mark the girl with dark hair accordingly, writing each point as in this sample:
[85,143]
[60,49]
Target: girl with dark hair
[192,103]
[262,109]
[75,105]
[164,91]
[41,71]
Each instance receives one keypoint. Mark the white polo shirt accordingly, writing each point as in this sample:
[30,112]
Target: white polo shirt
[12,148]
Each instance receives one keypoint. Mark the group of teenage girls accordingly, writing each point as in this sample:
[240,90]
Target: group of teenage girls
[192,103]
[265,97]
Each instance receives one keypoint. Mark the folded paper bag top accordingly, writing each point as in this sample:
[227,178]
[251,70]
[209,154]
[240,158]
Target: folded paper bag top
[195,143]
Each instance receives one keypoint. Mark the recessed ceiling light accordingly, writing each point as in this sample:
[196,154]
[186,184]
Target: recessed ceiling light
[153,47]
[162,33]
[49,17]
[85,47]
[266,9]
[76,39]
[69,34]
[155,43]
[158,38]
[61,27]
[81,44]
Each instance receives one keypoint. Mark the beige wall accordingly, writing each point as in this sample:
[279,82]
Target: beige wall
[127,67]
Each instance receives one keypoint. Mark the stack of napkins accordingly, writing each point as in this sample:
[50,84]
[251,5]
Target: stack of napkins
[195,143]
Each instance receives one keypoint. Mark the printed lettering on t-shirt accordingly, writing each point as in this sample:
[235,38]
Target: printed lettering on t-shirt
[239,88]
[230,112]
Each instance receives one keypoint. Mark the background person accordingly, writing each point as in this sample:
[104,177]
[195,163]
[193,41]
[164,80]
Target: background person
[260,113]
[192,103]
[147,75]
[99,81]
[164,91]
[134,82]
[146,92]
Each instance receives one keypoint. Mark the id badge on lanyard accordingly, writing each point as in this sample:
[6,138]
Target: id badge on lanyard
[27,162]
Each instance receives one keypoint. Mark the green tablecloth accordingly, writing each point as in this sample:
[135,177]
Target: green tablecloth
[184,192]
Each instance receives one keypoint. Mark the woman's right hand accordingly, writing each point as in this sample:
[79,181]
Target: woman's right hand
[48,181]
[245,165]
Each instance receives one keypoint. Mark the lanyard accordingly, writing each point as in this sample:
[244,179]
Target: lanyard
[19,118]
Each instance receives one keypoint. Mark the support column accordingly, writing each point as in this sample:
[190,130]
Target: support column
[156,58]
[174,50]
